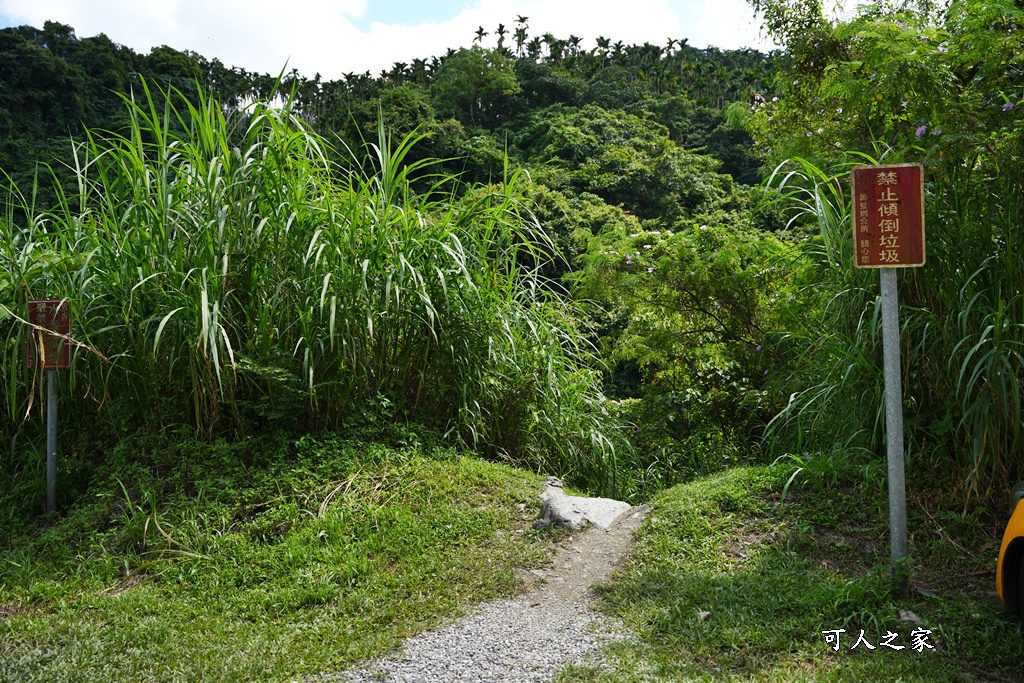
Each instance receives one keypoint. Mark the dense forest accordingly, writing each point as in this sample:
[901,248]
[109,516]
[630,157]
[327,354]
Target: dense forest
[628,265]
[472,104]
[620,139]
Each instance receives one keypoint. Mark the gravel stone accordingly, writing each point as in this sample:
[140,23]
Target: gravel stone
[508,641]
[524,639]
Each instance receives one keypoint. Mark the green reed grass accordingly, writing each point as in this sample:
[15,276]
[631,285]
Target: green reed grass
[222,273]
[962,324]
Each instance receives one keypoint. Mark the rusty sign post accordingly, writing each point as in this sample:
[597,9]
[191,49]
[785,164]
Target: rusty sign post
[888,233]
[50,350]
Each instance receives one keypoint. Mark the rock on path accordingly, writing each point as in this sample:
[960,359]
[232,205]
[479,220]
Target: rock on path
[530,637]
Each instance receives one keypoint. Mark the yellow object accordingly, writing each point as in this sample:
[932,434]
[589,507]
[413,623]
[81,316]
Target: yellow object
[1014,532]
[878,96]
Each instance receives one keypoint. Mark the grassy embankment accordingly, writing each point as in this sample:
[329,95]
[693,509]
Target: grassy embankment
[775,572]
[261,563]
[249,563]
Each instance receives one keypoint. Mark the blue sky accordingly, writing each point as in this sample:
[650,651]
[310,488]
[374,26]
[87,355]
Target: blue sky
[409,12]
[332,37]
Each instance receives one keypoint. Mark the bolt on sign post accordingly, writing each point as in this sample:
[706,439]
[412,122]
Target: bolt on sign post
[47,346]
[888,233]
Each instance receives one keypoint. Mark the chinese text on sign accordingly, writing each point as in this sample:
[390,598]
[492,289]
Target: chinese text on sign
[888,216]
[56,317]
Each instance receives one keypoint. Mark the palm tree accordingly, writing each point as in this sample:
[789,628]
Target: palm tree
[418,71]
[555,48]
[520,36]
[397,73]
[480,33]
[617,50]
[500,32]
[574,45]
[533,48]
[602,49]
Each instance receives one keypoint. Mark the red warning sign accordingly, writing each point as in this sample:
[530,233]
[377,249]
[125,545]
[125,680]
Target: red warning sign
[888,216]
[56,317]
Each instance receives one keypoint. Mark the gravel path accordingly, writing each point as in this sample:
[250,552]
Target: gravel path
[524,639]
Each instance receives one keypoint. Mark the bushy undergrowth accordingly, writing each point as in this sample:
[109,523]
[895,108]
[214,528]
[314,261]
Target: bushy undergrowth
[900,84]
[693,316]
[222,273]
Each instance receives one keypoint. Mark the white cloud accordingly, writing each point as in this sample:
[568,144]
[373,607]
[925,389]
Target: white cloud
[319,35]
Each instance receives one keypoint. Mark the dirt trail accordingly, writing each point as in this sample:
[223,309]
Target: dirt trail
[586,558]
[528,638]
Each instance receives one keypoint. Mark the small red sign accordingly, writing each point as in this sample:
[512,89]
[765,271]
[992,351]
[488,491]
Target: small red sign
[888,216]
[56,317]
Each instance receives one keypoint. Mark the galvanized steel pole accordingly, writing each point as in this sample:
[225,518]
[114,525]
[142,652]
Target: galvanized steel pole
[894,417]
[51,440]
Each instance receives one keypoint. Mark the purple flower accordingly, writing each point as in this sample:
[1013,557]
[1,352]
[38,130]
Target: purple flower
[650,270]
[943,48]
[1008,106]
[901,24]
[921,131]
[758,348]
[937,132]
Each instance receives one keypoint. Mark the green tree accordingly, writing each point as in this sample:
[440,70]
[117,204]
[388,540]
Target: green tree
[474,84]
[623,158]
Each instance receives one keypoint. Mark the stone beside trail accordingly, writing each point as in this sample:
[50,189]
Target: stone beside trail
[530,637]
[575,512]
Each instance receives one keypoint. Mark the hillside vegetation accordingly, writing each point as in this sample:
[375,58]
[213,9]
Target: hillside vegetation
[629,266]
[252,254]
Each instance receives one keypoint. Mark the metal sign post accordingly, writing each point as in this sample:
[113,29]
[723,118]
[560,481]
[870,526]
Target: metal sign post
[48,347]
[51,440]
[888,233]
[894,416]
